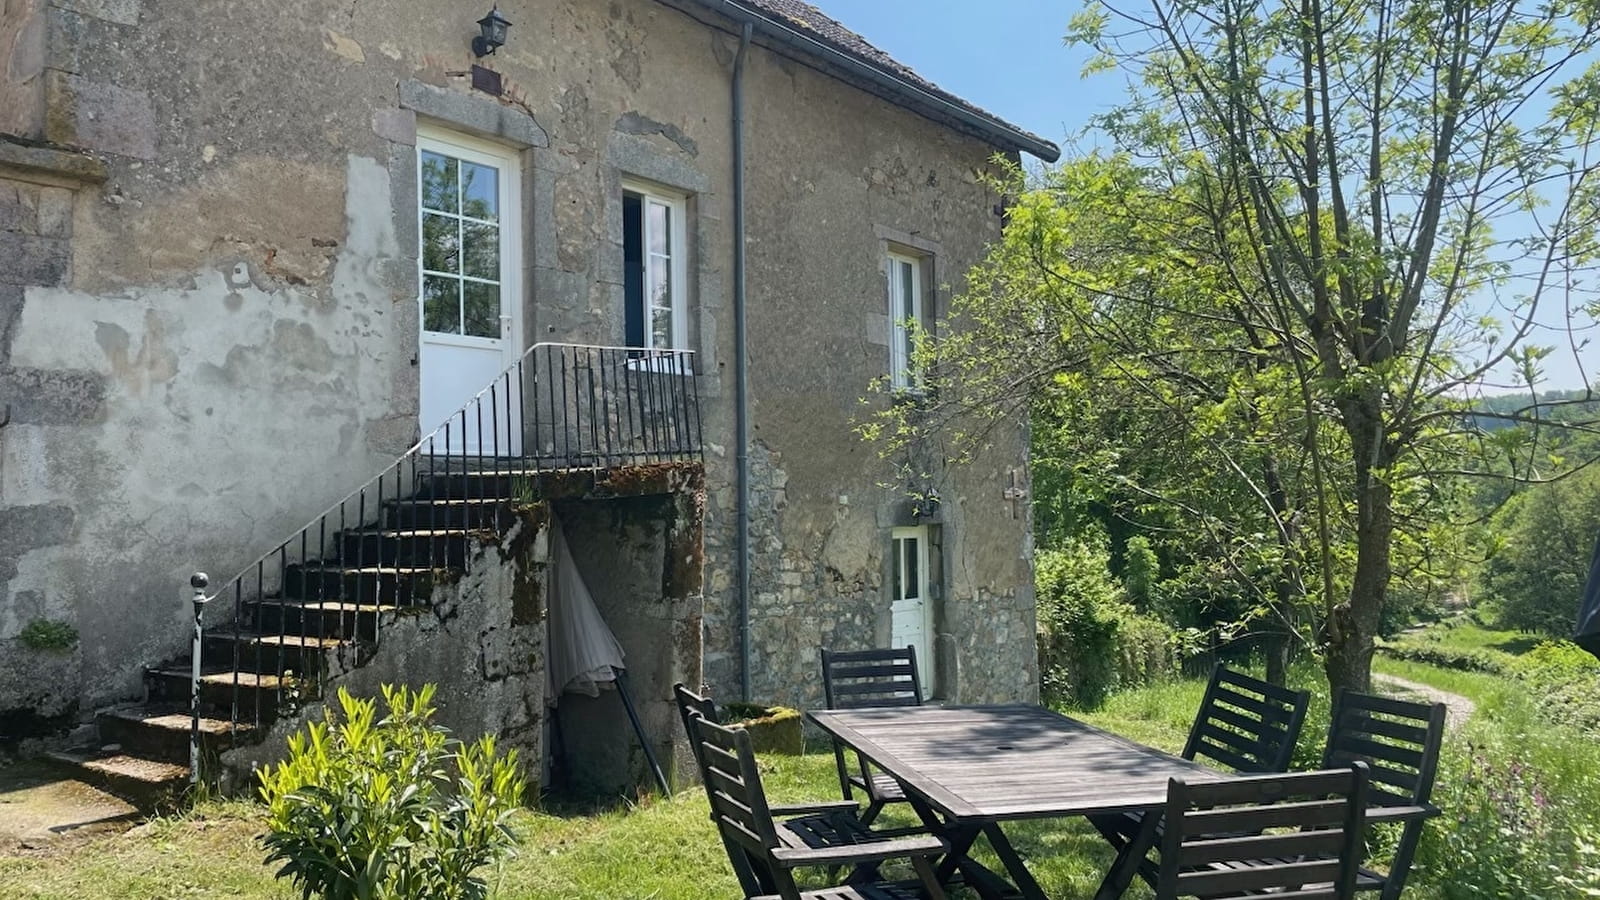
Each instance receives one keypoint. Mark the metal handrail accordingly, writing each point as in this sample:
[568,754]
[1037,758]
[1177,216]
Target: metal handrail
[592,406]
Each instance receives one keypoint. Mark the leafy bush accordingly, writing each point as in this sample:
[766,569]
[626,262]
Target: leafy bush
[391,808]
[1565,682]
[1463,659]
[1092,642]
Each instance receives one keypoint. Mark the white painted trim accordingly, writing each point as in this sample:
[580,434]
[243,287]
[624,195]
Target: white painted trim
[901,376]
[507,161]
[922,534]
[676,203]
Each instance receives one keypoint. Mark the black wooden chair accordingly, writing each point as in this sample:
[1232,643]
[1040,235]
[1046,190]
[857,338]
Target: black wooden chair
[1244,724]
[1400,742]
[691,704]
[856,679]
[1295,835]
[767,851]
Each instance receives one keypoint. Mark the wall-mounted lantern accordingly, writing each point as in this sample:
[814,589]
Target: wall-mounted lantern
[493,33]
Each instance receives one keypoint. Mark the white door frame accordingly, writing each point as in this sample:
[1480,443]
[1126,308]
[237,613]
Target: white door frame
[507,161]
[924,593]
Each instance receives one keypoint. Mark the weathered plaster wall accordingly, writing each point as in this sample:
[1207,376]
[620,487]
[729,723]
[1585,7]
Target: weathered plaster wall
[231,345]
[481,642]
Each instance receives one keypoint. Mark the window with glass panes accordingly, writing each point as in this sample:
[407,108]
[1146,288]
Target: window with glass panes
[653,271]
[461,278]
[905,318]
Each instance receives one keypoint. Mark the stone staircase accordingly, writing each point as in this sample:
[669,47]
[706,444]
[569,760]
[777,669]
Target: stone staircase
[320,613]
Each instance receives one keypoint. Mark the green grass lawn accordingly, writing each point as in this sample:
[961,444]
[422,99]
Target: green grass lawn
[658,849]
[667,849]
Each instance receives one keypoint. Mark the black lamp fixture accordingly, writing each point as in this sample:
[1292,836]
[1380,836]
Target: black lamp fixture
[493,33]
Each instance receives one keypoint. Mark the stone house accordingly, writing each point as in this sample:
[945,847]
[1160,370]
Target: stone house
[216,222]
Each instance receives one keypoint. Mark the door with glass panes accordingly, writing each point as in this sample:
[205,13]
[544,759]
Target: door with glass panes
[468,201]
[911,603]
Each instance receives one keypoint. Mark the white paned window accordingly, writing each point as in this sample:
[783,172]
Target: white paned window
[905,319]
[655,262]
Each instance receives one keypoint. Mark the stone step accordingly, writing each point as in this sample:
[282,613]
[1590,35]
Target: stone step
[489,514]
[421,546]
[272,654]
[257,695]
[150,785]
[502,485]
[161,733]
[398,585]
[324,618]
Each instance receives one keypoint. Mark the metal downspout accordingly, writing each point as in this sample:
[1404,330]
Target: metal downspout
[740,365]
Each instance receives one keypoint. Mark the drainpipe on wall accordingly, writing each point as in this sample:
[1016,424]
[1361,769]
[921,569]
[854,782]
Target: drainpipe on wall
[741,371]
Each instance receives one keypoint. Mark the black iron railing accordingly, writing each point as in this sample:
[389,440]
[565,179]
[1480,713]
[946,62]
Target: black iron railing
[384,546]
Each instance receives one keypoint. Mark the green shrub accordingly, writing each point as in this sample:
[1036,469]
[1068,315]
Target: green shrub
[1565,683]
[391,808]
[1092,642]
[1462,659]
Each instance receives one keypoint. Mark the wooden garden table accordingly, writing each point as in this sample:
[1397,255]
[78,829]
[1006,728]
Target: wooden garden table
[966,769]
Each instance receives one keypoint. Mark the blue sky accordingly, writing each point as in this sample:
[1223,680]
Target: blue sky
[1007,56]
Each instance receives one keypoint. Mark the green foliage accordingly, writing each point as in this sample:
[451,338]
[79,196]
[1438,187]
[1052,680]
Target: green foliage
[1536,577]
[1461,659]
[46,634]
[1092,642]
[1500,837]
[389,809]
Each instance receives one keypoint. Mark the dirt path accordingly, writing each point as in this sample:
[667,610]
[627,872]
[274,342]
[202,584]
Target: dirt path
[1461,708]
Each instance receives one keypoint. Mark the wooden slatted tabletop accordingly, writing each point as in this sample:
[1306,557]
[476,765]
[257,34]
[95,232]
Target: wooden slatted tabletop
[995,763]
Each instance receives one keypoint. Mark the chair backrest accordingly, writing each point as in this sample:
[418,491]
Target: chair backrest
[1398,739]
[852,679]
[1247,724]
[690,705]
[1299,832]
[738,802]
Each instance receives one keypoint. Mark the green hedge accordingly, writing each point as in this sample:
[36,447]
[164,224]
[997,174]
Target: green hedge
[1092,642]
[1434,654]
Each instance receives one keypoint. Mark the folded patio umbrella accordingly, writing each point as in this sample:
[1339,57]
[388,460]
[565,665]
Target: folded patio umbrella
[1588,632]
[583,654]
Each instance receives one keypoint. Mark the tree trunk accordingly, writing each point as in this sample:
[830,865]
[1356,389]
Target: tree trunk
[1278,647]
[1353,625]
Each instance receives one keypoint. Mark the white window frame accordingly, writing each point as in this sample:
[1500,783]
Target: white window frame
[506,161]
[676,204]
[902,374]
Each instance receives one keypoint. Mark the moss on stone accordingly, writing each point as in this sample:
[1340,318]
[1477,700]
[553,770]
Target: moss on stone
[773,729]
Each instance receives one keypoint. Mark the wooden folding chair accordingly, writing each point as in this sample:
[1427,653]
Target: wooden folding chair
[770,850]
[1284,836]
[856,679]
[1400,741]
[1244,724]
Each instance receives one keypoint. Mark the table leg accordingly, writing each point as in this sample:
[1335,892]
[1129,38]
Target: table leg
[1126,866]
[1015,867]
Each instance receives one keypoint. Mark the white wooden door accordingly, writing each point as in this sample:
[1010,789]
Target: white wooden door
[469,198]
[911,607]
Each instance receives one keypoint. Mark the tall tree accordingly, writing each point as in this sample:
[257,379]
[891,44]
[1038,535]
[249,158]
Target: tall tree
[1324,225]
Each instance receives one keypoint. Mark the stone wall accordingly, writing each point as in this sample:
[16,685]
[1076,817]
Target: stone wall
[232,345]
[481,641]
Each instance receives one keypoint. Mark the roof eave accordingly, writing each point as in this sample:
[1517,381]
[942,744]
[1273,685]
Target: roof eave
[886,82]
